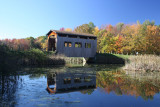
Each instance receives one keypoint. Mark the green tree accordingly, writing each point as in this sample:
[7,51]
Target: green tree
[119,26]
[85,28]
[32,42]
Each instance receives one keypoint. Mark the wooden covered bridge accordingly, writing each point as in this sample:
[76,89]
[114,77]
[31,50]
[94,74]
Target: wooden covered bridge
[72,44]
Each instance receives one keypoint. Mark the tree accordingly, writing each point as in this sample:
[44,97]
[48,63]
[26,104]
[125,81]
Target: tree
[153,39]
[118,43]
[42,42]
[32,42]
[68,29]
[147,22]
[128,44]
[119,27]
[62,29]
[109,28]
[85,28]
[96,31]
[91,27]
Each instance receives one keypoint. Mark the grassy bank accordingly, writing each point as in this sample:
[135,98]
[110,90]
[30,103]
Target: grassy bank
[40,58]
[105,58]
[132,62]
[146,63]
[32,57]
[143,63]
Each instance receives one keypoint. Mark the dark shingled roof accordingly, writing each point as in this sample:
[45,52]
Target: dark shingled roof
[71,33]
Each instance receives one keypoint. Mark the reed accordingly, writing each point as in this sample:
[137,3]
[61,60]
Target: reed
[143,63]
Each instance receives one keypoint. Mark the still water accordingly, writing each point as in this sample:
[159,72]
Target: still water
[79,86]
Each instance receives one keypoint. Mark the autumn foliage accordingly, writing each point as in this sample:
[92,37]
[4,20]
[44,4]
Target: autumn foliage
[25,44]
[122,38]
[125,38]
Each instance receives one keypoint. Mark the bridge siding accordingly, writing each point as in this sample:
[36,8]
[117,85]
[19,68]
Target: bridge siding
[76,52]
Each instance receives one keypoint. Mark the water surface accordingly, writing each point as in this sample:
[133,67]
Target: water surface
[91,85]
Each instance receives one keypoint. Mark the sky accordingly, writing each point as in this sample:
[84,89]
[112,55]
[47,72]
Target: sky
[25,18]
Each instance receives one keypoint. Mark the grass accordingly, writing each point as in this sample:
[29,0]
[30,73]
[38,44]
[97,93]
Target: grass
[132,62]
[38,58]
[11,58]
[104,58]
[122,56]
[143,63]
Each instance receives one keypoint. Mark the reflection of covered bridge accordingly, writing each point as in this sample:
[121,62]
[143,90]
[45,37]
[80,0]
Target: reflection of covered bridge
[70,81]
[72,44]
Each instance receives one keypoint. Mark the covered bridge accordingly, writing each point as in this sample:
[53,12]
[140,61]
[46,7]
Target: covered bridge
[72,44]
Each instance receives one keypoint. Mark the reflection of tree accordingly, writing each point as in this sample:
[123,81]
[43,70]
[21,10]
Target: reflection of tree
[123,84]
[118,91]
[36,76]
[8,86]
[35,73]
[88,91]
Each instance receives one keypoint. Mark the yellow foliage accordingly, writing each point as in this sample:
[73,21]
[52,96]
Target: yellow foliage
[152,30]
[68,29]
[96,30]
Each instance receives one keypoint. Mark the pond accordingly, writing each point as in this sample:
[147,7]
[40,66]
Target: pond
[79,86]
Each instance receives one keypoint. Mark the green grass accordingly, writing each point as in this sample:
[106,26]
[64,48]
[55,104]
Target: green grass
[105,58]
[111,55]
[122,56]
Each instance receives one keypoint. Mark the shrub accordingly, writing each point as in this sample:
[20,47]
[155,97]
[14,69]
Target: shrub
[143,62]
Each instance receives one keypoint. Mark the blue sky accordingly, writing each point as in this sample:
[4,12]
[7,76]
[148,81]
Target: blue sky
[25,18]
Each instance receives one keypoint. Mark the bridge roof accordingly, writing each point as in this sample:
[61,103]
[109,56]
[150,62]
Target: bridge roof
[71,33]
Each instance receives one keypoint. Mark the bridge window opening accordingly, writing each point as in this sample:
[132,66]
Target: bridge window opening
[67,81]
[87,45]
[70,44]
[77,80]
[67,44]
[78,45]
[87,79]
